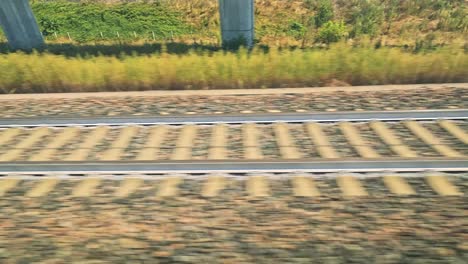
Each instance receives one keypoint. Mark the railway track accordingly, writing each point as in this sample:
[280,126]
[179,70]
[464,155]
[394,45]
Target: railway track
[391,142]
[414,135]
[153,180]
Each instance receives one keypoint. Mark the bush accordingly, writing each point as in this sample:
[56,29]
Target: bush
[331,32]
[297,29]
[367,17]
[324,13]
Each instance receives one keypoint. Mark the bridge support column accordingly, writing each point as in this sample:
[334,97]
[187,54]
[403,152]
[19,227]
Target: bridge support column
[19,25]
[237,21]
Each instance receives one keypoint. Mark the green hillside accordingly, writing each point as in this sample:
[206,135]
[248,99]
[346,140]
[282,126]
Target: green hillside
[278,22]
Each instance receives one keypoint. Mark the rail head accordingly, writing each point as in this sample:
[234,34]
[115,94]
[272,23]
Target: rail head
[236,166]
[366,116]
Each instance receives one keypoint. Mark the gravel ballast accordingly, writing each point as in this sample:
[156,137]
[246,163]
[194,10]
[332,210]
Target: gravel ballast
[412,99]
[232,227]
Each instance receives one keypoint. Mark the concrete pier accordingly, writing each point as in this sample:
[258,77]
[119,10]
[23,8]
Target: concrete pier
[19,25]
[237,21]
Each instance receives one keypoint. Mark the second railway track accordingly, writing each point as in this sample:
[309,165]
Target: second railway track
[388,140]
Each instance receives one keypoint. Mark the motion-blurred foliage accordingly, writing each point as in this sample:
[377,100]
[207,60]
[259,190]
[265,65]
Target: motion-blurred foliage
[204,69]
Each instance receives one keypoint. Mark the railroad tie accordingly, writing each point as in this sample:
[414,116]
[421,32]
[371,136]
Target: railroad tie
[63,138]
[8,134]
[455,130]
[120,144]
[91,140]
[286,144]
[183,150]
[218,144]
[442,186]
[213,185]
[251,146]
[22,146]
[320,140]
[425,135]
[6,184]
[86,187]
[304,187]
[350,186]
[43,187]
[398,185]
[257,186]
[359,143]
[152,145]
[389,138]
[169,187]
[128,186]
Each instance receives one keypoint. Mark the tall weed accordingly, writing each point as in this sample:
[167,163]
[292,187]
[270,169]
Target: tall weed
[45,72]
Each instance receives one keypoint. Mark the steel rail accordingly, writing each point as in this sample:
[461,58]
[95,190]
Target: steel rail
[235,166]
[239,118]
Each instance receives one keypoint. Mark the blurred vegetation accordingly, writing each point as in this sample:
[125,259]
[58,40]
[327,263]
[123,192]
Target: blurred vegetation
[278,22]
[175,44]
[201,68]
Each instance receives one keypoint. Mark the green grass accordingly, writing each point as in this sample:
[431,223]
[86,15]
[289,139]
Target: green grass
[278,22]
[216,69]
[100,22]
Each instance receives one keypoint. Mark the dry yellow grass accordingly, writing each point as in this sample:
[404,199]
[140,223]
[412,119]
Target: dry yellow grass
[23,73]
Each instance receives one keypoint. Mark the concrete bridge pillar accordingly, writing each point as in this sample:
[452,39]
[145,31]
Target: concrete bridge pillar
[19,25]
[237,21]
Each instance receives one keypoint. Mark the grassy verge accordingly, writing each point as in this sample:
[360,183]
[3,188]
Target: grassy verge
[100,22]
[202,69]
[303,23]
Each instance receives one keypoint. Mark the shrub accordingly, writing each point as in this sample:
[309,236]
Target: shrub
[324,12]
[297,29]
[366,18]
[331,32]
